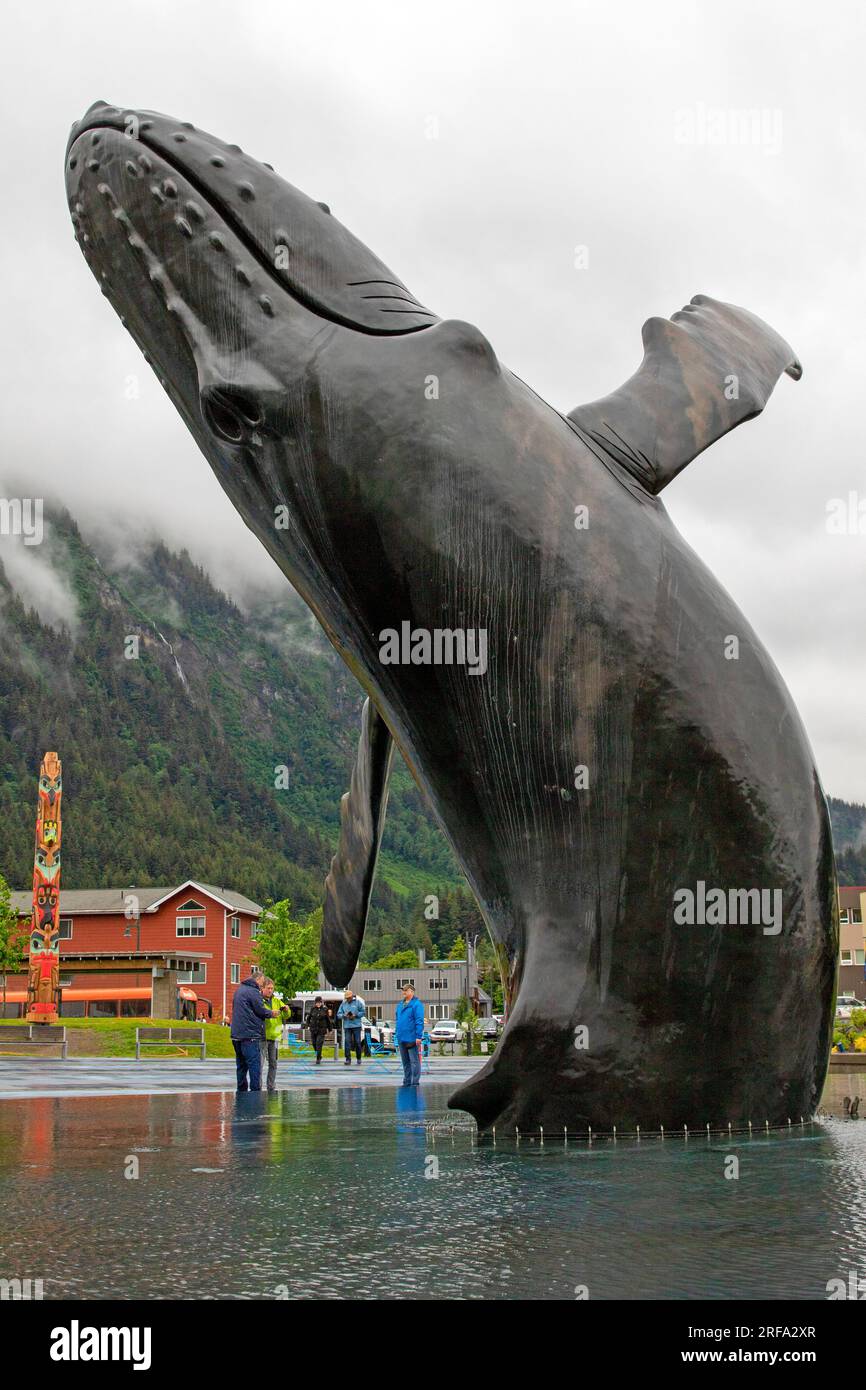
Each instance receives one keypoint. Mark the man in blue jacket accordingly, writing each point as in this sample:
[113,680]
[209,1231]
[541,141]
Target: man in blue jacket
[249,1012]
[410,1031]
[350,1014]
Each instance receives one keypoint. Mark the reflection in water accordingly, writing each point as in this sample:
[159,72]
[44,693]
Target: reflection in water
[332,1194]
[411,1104]
[841,1084]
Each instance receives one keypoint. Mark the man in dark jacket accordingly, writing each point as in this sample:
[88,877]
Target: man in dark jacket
[248,1028]
[319,1020]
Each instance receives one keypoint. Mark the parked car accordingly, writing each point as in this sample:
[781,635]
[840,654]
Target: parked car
[846,1004]
[379,1031]
[488,1028]
[447,1030]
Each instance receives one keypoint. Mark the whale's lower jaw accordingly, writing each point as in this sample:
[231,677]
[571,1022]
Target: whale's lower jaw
[533,1084]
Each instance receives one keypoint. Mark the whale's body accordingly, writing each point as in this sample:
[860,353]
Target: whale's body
[620,747]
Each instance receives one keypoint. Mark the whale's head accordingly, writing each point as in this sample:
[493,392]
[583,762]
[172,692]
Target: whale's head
[296,358]
[225,274]
[279,337]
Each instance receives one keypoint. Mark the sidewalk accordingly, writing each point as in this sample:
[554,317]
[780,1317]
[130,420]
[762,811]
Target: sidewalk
[25,1077]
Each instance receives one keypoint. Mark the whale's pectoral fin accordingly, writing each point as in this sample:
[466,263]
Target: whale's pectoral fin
[704,371]
[350,881]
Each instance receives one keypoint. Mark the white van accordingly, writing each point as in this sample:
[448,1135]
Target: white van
[303,1001]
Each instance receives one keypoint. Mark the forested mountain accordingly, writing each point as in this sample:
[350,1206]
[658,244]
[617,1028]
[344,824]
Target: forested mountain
[219,751]
[849,838]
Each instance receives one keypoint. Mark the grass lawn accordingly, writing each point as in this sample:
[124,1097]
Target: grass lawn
[115,1037]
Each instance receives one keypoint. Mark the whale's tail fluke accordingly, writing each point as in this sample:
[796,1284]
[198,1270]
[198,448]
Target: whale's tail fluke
[705,370]
[350,881]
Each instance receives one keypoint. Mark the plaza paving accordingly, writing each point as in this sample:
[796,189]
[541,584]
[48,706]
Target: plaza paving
[21,1077]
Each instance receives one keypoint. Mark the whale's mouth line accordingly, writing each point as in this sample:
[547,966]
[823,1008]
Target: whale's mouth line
[224,212]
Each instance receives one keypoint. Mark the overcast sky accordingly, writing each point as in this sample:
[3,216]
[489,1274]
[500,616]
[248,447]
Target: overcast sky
[474,146]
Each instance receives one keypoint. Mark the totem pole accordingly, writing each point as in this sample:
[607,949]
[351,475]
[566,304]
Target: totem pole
[43,985]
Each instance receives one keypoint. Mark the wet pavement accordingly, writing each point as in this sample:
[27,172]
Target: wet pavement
[373,1192]
[21,1077]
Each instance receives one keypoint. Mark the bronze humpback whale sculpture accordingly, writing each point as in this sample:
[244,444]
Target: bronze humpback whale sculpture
[623,777]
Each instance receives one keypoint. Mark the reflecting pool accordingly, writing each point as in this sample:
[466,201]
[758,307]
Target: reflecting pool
[367,1193]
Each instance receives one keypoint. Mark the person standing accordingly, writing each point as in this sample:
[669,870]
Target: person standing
[409,1022]
[319,1019]
[249,1012]
[350,1013]
[270,1045]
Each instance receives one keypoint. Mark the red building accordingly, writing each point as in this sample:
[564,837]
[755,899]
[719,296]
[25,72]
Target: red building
[129,951]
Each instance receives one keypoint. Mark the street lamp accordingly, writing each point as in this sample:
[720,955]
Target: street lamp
[138,930]
[127,931]
[471,943]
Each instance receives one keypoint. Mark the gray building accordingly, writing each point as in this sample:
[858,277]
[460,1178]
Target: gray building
[438,984]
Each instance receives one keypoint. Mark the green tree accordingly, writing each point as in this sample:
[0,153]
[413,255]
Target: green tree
[288,950]
[458,950]
[465,1014]
[12,937]
[492,964]
[396,961]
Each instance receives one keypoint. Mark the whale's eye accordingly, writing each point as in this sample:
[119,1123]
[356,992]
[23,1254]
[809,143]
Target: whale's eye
[230,413]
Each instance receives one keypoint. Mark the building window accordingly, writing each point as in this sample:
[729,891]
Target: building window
[102,1008]
[846,958]
[401,984]
[843,916]
[860,957]
[439,984]
[65,928]
[235,973]
[196,976]
[190,926]
[254,930]
[236,928]
[374,1012]
[191,906]
[372,985]
[857,915]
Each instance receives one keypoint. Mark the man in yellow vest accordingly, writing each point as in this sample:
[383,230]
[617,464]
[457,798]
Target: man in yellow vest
[273,1029]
